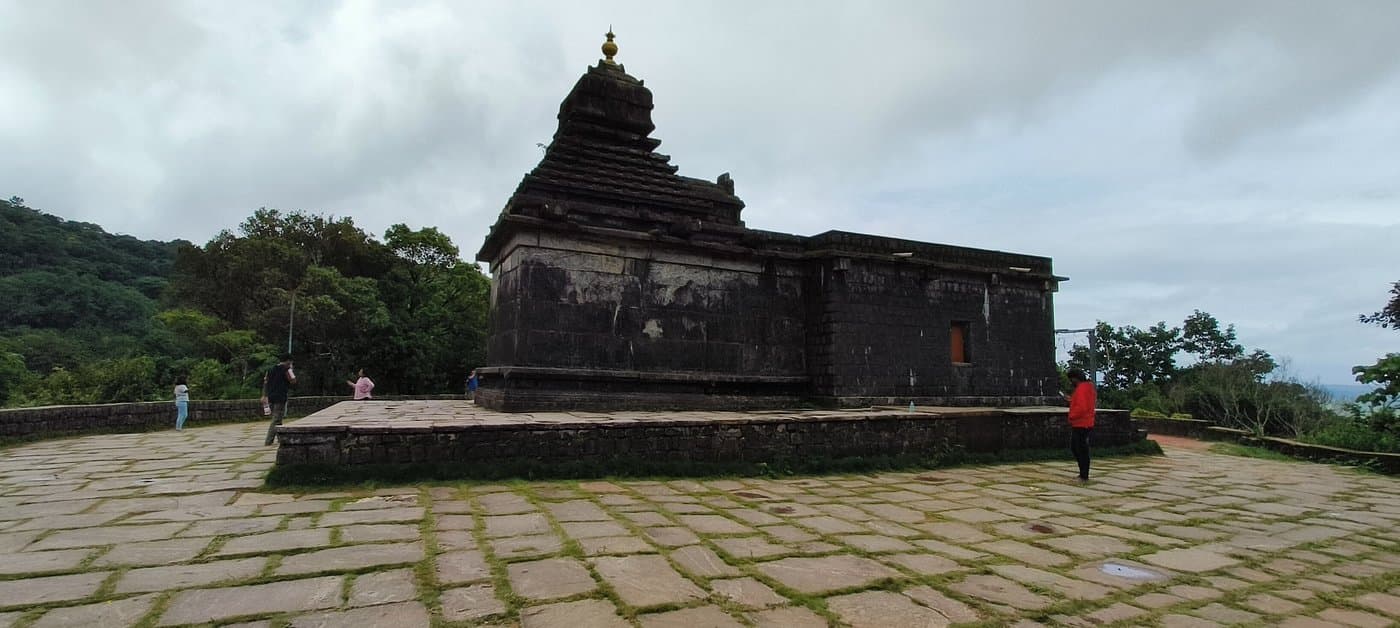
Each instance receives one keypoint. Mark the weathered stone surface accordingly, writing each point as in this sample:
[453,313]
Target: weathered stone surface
[14,542]
[1227,615]
[875,543]
[952,610]
[747,592]
[113,614]
[516,525]
[401,615]
[1090,545]
[752,547]
[882,609]
[204,605]
[577,510]
[701,561]
[1382,602]
[831,525]
[999,590]
[154,552]
[955,532]
[1025,553]
[645,580]
[787,617]
[383,587]
[614,545]
[276,542]
[232,527]
[1067,587]
[351,557]
[21,593]
[471,603]
[382,515]
[462,567]
[451,540]
[455,522]
[39,562]
[106,535]
[671,537]
[1354,618]
[524,546]
[550,579]
[378,533]
[699,617]
[580,614]
[1189,560]
[593,529]
[713,524]
[184,576]
[504,504]
[829,573]
[923,564]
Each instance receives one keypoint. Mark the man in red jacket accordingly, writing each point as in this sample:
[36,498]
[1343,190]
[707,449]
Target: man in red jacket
[1081,419]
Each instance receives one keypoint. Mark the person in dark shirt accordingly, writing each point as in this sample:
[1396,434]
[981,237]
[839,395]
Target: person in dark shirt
[276,383]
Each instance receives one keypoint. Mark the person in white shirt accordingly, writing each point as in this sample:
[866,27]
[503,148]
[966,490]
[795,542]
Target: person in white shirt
[182,403]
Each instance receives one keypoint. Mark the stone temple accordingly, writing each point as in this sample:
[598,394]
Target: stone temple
[620,284]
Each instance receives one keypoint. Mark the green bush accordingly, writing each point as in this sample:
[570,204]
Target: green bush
[211,379]
[1349,434]
[1141,413]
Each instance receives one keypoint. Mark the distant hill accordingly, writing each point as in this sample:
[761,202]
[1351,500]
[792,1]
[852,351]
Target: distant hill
[71,291]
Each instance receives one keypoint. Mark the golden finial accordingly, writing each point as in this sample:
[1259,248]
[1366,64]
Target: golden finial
[609,48]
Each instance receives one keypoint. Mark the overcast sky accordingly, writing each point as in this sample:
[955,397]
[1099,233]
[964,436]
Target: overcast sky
[1241,158]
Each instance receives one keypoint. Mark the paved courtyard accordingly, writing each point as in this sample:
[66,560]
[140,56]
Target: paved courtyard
[170,529]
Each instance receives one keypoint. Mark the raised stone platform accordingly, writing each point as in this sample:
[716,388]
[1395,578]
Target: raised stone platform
[399,432]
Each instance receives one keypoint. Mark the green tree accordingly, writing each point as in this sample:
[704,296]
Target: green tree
[1389,315]
[13,375]
[1128,356]
[1201,336]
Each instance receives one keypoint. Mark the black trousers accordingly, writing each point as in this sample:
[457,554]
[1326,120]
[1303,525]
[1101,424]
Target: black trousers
[1079,446]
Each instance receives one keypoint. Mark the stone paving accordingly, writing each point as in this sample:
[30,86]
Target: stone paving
[172,529]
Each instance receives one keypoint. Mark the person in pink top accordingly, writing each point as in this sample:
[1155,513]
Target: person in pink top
[362,386]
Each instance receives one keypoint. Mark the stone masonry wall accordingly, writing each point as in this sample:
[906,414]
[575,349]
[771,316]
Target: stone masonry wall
[881,334]
[752,439]
[137,417]
[563,301]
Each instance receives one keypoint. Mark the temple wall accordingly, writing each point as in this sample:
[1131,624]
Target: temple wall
[880,333]
[565,301]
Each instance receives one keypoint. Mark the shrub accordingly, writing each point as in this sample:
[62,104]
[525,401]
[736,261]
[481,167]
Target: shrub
[1349,434]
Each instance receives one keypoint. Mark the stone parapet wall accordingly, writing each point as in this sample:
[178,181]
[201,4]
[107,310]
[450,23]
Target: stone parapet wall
[1192,428]
[138,417]
[753,438]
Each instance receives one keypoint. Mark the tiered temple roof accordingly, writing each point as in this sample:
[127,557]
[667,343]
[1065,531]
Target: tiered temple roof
[601,168]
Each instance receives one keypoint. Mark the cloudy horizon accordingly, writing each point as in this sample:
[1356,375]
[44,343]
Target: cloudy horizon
[1237,158]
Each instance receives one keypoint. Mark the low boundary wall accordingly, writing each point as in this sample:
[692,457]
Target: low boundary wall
[752,437]
[55,421]
[1191,428]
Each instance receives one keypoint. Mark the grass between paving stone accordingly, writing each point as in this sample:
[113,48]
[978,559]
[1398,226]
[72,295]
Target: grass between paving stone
[317,476]
[500,577]
[424,571]
[749,566]
[571,548]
